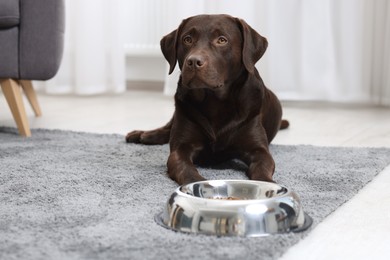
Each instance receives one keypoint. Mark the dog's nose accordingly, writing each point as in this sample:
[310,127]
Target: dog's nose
[196,61]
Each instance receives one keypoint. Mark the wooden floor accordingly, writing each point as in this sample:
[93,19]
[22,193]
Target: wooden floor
[358,230]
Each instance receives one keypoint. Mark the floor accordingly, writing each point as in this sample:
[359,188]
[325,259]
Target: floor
[357,230]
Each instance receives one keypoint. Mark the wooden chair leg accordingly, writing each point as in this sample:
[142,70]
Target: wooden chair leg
[13,95]
[31,96]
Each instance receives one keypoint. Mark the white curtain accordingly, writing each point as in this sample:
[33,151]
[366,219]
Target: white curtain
[329,50]
[333,50]
[94,57]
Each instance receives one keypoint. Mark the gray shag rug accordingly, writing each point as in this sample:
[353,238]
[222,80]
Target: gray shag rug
[69,195]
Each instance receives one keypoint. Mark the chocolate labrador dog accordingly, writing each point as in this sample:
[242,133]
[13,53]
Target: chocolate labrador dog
[222,108]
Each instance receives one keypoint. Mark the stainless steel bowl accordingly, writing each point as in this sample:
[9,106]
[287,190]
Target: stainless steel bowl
[234,208]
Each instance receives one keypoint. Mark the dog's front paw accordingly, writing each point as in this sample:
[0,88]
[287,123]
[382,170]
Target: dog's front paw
[134,137]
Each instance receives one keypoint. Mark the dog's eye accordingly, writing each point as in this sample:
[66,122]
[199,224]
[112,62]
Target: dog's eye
[187,40]
[222,40]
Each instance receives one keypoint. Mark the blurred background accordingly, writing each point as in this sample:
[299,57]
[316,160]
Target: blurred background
[328,50]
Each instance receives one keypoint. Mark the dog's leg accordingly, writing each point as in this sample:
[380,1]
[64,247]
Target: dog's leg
[261,165]
[253,150]
[157,136]
[181,168]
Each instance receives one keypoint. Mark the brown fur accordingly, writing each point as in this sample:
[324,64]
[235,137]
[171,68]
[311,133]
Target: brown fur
[223,109]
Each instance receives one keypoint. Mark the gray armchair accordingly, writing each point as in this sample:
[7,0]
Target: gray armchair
[31,46]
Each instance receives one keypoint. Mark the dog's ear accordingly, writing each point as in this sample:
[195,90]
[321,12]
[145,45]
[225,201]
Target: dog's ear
[254,45]
[169,46]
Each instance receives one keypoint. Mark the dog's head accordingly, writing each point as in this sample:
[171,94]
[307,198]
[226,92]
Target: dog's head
[213,50]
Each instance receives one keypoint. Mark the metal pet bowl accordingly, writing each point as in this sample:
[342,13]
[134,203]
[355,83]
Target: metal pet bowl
[234,208]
